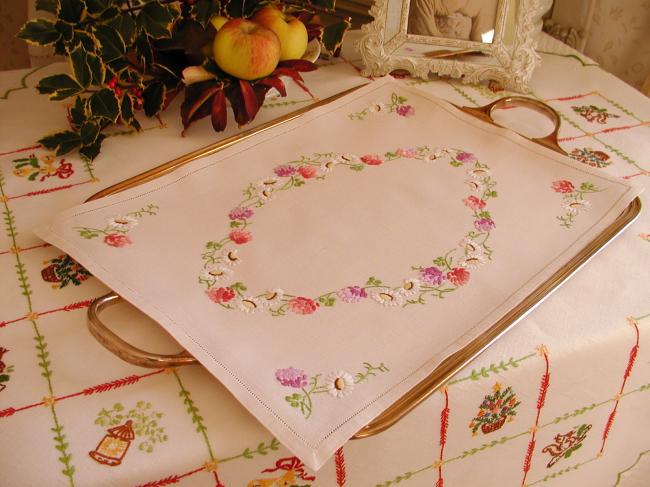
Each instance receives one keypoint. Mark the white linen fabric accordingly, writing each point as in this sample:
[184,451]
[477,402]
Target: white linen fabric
[321,269]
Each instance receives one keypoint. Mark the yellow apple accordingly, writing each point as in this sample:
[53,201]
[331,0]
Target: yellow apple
[291,31]
[246,50]
[217,21]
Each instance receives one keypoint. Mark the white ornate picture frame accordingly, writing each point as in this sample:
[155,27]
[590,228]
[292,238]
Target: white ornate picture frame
[509,58]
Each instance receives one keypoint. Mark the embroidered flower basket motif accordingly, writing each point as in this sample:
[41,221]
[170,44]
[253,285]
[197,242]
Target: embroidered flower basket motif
[445,274]
[5,370]
[64,270]
[565,444]
[573,200]
[495,410]
[592,113]
[338,384]
[591,157]
[397,105]
[40,168]
[116,229]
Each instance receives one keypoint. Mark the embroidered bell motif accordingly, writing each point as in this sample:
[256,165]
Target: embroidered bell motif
[112,448]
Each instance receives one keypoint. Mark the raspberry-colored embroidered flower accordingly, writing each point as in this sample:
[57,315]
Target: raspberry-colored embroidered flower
[405,111]
[303,306]
[458,276]
[307,172]
[408,153]
[432,276]
[352,294]
[291,377]
[284,170]
[474,203]
[221,295]
[484,224]
[240,213]
[466,157]
[240,236]
[372,159]
[563,186]
[117,240]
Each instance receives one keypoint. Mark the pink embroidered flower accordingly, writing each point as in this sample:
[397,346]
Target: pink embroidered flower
[291,377]
[221,295]
[408,153]
[240,213]
[466,157]
[352,294]
[474,203]
[458,276]
[240,236]
[484,224]
[117,240]
[284,170]
[432,276]
[303,306]
[405,111]
[372,159]
[307,172]
[563,186]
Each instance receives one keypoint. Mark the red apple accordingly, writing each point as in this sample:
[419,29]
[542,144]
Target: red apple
[291,31]
[246,50]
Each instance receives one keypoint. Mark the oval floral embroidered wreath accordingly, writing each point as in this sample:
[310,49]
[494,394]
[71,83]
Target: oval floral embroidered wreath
[445,274]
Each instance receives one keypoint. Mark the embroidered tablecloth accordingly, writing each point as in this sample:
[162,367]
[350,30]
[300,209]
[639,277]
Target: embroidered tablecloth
[561,398]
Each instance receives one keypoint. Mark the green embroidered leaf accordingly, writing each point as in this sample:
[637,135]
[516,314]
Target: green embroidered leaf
[586,186]
[357,167]
[110,42]
[238,286]
[71,10]
[39,31]
[455,163]
[125,25]
[51,6]
[156,20]
[62,142]
[327,300]
[104,104]
[235,224]
[80,67]
[58,86]
[373,281]
[153,97]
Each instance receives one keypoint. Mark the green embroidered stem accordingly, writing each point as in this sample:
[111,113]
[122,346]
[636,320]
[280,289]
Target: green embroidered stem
[114,227]
[485,372]
[193,411]
[559,473]
[284,103]
[462,93]
[404,476]
[262,449]
[23,83]
[370,371]
[578,58]
[620,107]
[62,447]
[619,475]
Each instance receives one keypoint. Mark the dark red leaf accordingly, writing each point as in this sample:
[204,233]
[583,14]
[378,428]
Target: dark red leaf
[234,94]
[274,82]
[219,113]
[314,31]
[295,76]
[251,103]
[196,104]
[300,65]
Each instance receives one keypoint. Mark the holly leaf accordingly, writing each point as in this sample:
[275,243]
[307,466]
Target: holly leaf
[202,10]
[156,20]
[153,97]
[89,132]
[126,111]
[198,101]
[143,50]
[97,6]
[111,44]
[71,11]
[62,142]
[97,70]
[104,104]
[58,86]
[125,25]
[80,67]
[78,112]
[51,6]
[219,113]
[90,152]
[39,31]
[333,36]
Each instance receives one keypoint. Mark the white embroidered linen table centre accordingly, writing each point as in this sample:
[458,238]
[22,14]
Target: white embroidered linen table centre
[323,268]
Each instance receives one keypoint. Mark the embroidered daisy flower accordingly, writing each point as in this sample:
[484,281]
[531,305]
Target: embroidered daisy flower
[272,297]
[388,297]
[339,384]
[410,287]
[267,183]
[250,304]
[328,165]
[215,273]
[435,153]
[230,257]
[478,172]
[122,223]
[576,206]
[348,159]
[473,261]
[470,246]
[475,185]
[265,194]
[352,294]
[376,107]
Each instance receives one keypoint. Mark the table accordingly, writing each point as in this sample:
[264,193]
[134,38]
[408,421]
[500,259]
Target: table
[574,372]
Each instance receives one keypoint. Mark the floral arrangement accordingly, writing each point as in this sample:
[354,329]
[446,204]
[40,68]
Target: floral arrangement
[495,409]
[132,56]
[573,199]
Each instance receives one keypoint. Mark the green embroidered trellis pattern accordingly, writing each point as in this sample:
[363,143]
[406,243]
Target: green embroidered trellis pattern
[145,423]
[116,229]
[443,275]
[396,105]
[338,384]
[573,199]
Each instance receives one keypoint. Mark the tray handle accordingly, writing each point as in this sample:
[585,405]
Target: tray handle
[123,349]
[485,113]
